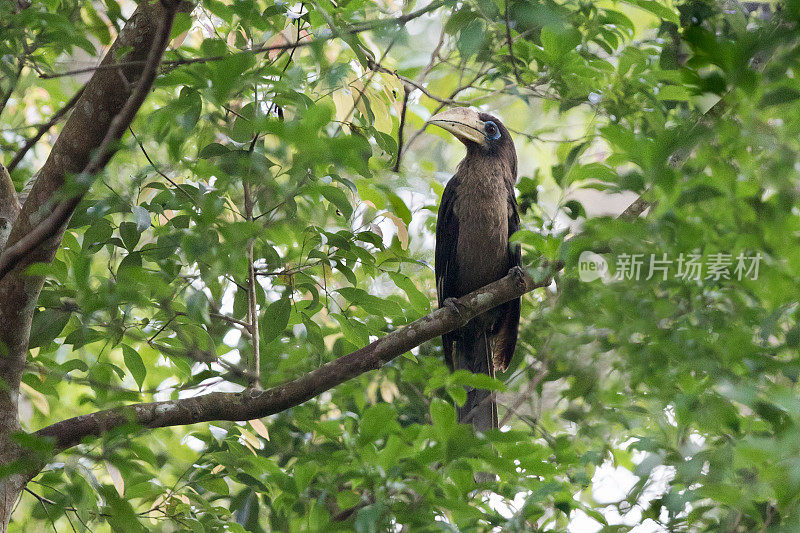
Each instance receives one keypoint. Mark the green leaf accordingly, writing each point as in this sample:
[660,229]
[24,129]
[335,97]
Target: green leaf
[697,194]
[418,300]
[83,336]
[197,307]
[135,365]
[129,235]
[378,421]
[476,380]
[657,8]
[781,95]
[574,209]
[371,304]
[215,484]
[226,75]
[558,40]
[182,23]
[212,150]
[368,519]
[74,364]
[97,235]
[337,197]
[443,416]
[274,320]
[399,207]
[470,38]
[674,92]
[47,325]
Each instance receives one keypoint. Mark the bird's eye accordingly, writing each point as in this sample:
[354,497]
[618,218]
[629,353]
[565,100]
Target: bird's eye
[491,129]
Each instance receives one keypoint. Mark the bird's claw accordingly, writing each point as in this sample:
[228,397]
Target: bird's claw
[454,304]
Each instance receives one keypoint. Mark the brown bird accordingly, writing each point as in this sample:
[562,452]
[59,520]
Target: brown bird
[477,216]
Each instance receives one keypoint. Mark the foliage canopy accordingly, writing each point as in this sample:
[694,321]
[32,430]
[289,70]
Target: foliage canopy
[312,160]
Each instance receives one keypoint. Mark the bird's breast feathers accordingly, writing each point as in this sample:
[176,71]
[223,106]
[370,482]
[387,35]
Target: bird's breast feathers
[482,199]
[482,248]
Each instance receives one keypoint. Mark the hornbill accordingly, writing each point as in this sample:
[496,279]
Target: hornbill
[477,215]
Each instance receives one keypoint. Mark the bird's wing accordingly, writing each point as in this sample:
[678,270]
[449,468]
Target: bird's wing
[446,265]
[507,326]
[446,242]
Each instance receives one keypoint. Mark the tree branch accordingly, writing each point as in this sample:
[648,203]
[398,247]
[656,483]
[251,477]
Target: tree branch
[252,286]
[30,143]
[638,207]
[253,403]
[406,92]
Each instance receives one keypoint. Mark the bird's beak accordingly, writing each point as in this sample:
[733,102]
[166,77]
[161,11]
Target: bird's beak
[464,123]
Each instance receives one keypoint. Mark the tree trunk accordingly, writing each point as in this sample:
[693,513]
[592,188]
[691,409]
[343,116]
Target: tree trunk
[103,98]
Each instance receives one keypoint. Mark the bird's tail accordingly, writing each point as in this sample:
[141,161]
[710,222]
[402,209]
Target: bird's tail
[475,354]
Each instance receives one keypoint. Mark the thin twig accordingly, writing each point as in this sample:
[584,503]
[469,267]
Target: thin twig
[434,56]
[406,92]
[512,409]
[374,65]
[158,170]
[260,49]
[252,284]
[231,320]
[58,115]
[511,45]
[42,502]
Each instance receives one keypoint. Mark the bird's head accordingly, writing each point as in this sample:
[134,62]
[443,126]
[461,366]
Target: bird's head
[480,132]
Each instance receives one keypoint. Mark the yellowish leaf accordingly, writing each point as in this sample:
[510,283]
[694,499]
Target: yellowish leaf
[383,120]
[116,478]
[389,391]
[393,88]
[36,398]
[247,445]
[250,438]
[372,392]
[402,230]
[260,428]
[156,504]
[343,101]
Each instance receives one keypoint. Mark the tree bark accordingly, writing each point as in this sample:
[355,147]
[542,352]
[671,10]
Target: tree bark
[103,99]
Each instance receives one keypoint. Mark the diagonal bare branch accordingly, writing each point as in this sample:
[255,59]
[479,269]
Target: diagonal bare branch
[42,129]
[254,403]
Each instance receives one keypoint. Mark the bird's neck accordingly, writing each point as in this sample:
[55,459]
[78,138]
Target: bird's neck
[482,170]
